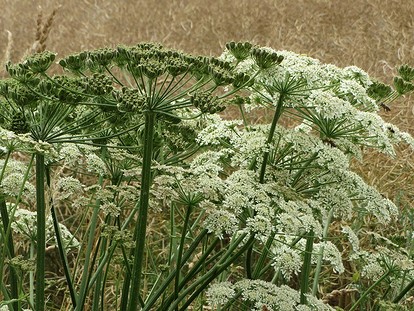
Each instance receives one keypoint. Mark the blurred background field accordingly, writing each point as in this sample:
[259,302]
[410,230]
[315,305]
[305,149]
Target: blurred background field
[375,35]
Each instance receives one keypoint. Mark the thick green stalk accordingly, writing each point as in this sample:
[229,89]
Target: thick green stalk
[304,278]
[261,263]
[320,256]
[41,232]
[141,226]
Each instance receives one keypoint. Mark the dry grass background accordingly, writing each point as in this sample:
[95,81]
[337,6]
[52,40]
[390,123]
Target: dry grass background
[376,35]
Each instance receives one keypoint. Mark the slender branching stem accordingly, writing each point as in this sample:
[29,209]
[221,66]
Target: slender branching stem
[320,256]
[61,248]
[85,275]
[369,290]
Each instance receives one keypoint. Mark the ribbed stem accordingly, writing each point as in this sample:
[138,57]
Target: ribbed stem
[141,226]
[307,261]
[41,232]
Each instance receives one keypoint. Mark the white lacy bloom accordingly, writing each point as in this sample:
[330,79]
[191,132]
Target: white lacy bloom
[371,267]
[207,162]
[315,304]
[218,131]
[330,254]
[110,208]
[356,73]
[13,166]
[331,158]
[329,106]
[261,293]
[297,217]
[377,132]
[287,260]
[336,196]
[95,164]
[352,237]
[24,223]
[67,186]
[250,145]
[70,153]
[210,186]
[12,183]
[220,293]
[220,221]
[356,94]
[260,225]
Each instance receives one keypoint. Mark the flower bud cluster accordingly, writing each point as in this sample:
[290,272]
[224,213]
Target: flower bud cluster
[130,100]
[240,50]
[40,62]
[98,84]
[378,90]
[68,90]
[75,63]
[19,123]
[206,102]
[221,72]
[266,59]
[18,93]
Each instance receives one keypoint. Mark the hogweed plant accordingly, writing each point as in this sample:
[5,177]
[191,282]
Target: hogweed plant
[251,216]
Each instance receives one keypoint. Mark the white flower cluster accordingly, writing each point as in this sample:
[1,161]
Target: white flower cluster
[287,260]
[67,187]
[331,254]
[25,223]
[263,296]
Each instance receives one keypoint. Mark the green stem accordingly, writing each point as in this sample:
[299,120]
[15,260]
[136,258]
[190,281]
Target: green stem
[180,252]
[41,232]
[141,226]
[6,231]
[365,294]
[14,291]
[99,285]
[85,275]
[212,274]
[61,248]
[276,117]
[31,275]
[307,261]
[320,256]
[404,292]
[261,263]
[161,290]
